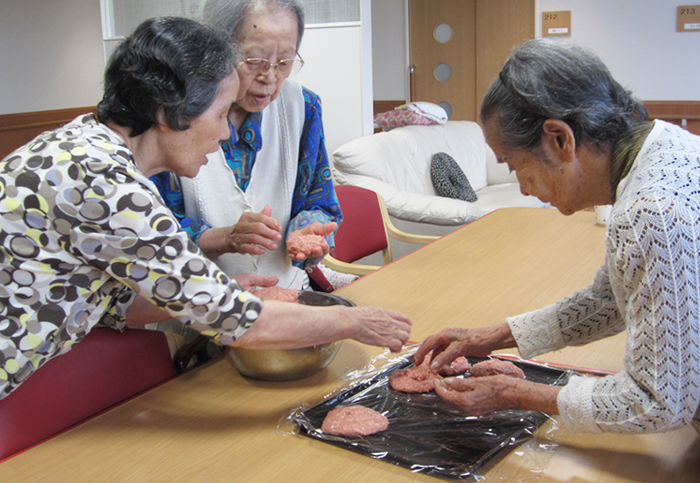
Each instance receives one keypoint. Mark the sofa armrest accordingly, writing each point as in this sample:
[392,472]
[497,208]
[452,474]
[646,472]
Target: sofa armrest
[415,206]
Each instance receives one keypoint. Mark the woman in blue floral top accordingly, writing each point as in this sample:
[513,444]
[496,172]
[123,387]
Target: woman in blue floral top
[271,180]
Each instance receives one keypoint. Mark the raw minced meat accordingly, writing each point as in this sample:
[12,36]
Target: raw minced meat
[421,378]
[354,421]
[305,244]
[491,367]
[414,379]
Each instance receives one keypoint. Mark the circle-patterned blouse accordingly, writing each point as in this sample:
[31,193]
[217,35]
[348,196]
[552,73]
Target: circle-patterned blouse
[81,231]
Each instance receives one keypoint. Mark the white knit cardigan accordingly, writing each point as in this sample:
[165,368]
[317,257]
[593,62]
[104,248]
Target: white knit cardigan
[649,287]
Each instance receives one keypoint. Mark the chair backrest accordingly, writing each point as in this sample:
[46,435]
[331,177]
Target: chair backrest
[105,368]
[363,230]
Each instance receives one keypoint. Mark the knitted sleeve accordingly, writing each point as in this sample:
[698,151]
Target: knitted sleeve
[588,315]
[653,270]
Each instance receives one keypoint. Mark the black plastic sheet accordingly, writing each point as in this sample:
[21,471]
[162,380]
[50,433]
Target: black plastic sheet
[425,433]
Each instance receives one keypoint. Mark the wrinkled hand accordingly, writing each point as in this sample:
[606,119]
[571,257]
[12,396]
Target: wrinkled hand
[452,342]
[250,280]
[381,327]
[483,395]
[314,228]
[255,232]
[477,395]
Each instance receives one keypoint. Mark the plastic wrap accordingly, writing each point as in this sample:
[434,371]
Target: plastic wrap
[425,433]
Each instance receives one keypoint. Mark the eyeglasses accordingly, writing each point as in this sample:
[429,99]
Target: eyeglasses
[284,68]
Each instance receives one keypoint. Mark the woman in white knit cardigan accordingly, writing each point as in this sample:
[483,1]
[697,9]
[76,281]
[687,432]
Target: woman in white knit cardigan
[576,139]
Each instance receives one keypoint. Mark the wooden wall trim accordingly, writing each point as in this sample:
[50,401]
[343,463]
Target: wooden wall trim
[682,113]
[383,106]
[18,129]
[673,109]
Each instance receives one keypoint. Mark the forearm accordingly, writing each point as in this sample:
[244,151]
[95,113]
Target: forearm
[282,325]
[532,396]
[496,337]
[214,242]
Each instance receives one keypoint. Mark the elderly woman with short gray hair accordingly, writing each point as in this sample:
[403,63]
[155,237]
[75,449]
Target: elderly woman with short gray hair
[576,138]
[271,181]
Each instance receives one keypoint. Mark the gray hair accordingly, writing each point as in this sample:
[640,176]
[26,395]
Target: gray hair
[546,79]
[229,16]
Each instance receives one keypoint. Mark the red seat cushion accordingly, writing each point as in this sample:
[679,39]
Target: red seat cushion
[104,369]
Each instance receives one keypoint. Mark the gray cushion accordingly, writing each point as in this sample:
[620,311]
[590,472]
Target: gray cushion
[449,179]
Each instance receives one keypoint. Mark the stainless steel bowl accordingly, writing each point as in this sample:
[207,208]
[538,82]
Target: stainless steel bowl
[288,364]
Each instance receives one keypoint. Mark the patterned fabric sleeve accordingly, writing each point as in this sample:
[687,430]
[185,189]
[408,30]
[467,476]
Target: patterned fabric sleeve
[82,232]
[314,196]
[140,244]
[169,189]
[588,315]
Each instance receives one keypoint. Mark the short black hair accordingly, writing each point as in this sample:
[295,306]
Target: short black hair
[171,64]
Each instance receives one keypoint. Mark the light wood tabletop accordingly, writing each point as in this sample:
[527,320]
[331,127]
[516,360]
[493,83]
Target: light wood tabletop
[211,424]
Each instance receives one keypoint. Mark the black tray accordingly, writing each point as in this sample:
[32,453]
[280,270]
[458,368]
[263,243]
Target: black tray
[426,434]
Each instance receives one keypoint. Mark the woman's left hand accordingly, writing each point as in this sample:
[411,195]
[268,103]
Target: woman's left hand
[484,395]
[318,251]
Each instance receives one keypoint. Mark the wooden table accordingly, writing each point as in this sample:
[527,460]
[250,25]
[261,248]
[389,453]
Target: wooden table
[211,424]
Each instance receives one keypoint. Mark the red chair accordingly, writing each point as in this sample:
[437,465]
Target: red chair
[366,229]
[104,369]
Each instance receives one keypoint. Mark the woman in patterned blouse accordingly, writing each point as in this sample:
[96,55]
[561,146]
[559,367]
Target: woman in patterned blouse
[85,239]
[271,179]
[576,139]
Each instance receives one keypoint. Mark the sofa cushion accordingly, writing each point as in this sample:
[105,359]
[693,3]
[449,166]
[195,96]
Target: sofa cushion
[401,157]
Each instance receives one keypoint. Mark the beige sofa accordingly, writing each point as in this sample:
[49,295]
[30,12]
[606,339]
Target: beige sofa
[396,164]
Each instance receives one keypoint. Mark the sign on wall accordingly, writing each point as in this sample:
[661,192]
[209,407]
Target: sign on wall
[688,18]
[556,23]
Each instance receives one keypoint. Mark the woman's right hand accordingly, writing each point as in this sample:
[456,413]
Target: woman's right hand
[381,327]
[254,233]
[453,342]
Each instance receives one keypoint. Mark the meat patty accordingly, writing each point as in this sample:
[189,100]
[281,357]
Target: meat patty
[306,244]
[354,421]
[414,379]
[458,366]
[277,293]
[491,367]
[422,378]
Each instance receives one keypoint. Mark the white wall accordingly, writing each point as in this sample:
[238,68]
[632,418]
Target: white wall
[50,54]
[637,39]
[337,78]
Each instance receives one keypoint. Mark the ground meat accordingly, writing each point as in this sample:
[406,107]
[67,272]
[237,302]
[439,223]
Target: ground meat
[492,367]
[354,421]
[458,366]
[277,293]
[421,378]
[306,244]
[414,379]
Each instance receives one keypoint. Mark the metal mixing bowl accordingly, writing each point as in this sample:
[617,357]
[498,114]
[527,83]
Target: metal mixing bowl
[288,364]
